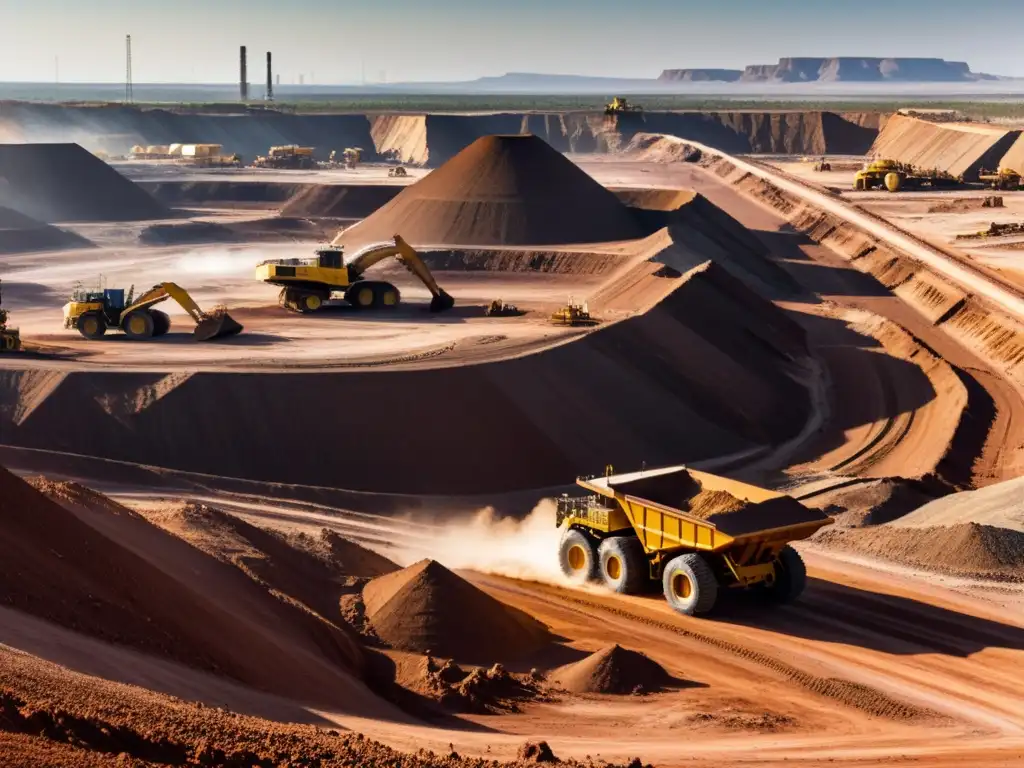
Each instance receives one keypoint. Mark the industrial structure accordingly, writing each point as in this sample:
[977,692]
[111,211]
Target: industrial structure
[243,75]
[270,77]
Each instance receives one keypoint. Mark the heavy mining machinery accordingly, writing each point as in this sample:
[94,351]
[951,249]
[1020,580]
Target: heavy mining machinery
[573,313]
[288,157]
[1001,178]
[306,284]
[895,176]
[619,105]
[10,338]
[93,313]
[398,172]
[501,308]
[695,533]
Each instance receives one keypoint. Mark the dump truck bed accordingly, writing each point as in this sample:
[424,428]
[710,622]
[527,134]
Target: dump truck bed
[676,507]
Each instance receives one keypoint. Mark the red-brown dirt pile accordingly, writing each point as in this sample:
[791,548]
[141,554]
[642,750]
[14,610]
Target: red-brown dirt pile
[22,234]
[501,190]
[966,549]
[491,690]
[429,609]
[100,569]
[63,182]
[341,201]
[612,670]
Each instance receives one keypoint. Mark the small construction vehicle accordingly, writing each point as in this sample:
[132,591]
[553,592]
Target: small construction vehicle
[696,533]
[10,338]
[894,176]
[573,313]
[398,172]
[351,157]
[287,157]
[1001,178]
[306,284]
[823,166]
[620,106]
[499,308]
[93,313]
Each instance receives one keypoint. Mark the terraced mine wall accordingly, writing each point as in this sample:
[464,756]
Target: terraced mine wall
[527,422]
[422,139]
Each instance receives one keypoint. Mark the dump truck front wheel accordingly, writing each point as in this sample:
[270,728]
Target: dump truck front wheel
[623,564]
[790,576]
[139,325]
[92,325]
[577,557]
[690,585]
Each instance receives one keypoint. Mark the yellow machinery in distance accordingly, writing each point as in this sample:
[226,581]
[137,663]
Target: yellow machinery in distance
[306,284]
[1001,178]
[93,313]
[10,338]
[289,157]
[619,105]
[573,313]
[895,176]
[695,532]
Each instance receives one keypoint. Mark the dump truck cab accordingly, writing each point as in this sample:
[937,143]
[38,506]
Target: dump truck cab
[694,532]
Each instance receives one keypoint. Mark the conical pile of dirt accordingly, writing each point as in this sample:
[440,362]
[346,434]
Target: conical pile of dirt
[22,234]
[612,670]
[63,182]
[501,190]
[427,608]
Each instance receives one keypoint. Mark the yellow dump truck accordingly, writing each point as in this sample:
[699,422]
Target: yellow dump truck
[696,533]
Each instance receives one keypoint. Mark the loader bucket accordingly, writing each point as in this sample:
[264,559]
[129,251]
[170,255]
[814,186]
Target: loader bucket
[441,302]
[216,326]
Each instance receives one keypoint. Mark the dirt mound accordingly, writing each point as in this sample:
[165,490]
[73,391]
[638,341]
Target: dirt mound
[1000,506]
[98,568]
[875,502]
[492,690]
[658,148]
[1014,157]
[63,182]
[961,149]
[429,609]
[22,234]
[341,201]
[966,549]
[612,670]
[501,190]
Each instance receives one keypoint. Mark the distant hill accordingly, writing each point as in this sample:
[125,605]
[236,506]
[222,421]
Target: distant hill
[861,70]
[700,75]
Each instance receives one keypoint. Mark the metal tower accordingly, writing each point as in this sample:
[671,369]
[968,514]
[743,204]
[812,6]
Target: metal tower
[129,96]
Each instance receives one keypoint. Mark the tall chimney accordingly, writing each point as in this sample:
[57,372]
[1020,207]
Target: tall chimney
[270,79]
[243,82]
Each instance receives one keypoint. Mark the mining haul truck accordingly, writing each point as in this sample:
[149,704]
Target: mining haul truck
[695,533]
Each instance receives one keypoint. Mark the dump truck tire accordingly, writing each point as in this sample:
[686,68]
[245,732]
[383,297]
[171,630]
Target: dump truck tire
[92,325]
[790,576]
[361,295]
[577,556]
[623,564]
[690,585]
[161,322]
[139,325]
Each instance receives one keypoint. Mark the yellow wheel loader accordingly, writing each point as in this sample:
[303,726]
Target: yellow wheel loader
[307,284]
[93,313]
[695,533]
[10,338]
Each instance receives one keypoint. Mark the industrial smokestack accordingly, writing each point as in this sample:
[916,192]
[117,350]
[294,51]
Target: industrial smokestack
[270,78]
[243,81]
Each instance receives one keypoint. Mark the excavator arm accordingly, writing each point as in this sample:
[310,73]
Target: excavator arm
[208,326]
[412,261]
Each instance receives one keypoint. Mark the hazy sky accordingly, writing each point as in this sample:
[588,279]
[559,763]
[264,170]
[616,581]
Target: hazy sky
[332,40]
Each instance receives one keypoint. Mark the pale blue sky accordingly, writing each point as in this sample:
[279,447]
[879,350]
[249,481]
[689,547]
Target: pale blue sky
[197,40]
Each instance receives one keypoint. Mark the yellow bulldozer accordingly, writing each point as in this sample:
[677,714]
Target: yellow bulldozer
[619,105]
[307,284]
[697,534]
[288,157]
[1001,178]
[93,313]
[10,338]
[573,313]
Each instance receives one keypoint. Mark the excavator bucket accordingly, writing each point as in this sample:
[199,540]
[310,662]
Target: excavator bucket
[441,302]
[216,325]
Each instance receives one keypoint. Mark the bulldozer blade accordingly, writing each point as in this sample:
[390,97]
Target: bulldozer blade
[216,326]
[441,302]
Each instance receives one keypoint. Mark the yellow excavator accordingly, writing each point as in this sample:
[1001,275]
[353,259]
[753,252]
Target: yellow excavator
[306,284]
[10,338]
[93,313]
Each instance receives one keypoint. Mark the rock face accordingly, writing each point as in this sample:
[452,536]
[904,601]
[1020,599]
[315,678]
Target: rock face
[700,75]
[860,70]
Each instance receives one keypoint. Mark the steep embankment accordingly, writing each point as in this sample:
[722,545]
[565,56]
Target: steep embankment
[432,139]
[23,234]
[521,423]
[63,182]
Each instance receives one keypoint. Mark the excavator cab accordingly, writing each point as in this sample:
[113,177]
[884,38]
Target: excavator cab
[330,258]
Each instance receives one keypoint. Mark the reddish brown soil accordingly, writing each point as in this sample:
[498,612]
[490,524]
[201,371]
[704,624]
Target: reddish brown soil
[63,182]
[501,190]
[429,609]
[612,670]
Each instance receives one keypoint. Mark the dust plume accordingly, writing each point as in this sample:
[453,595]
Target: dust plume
[220,261]
[522,549]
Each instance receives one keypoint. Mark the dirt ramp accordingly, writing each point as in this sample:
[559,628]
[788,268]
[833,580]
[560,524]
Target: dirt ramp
[23,234]
[64,182]
[427,608]
[1000,506]
[961,149]
[341,201]
[99,569]
[612,670]
[501,190]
